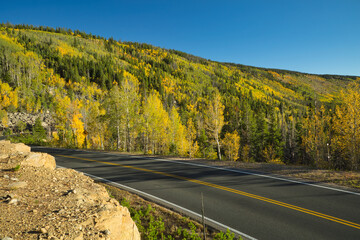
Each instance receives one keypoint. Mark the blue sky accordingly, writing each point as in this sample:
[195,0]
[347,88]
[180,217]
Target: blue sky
[317,36]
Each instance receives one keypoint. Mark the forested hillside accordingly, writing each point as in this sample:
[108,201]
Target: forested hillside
[107,94]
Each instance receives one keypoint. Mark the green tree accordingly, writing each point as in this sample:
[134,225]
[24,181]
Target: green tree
[273,150]
[39,133]
[21,126]
[258,137]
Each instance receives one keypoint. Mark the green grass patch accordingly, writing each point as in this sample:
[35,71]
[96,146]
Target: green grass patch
[16,168]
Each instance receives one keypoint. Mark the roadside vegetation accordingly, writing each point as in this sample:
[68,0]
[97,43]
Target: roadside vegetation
[155,222]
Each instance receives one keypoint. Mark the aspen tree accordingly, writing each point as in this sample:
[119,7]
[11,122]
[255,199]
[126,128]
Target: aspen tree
[231,144]
[155,125]
[130,107]
[178,133]
[113,112]
[347,126]
[316,136]
[214,120]
[191,138]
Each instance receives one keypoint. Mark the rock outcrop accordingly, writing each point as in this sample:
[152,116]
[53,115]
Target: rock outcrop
[38,201]
[29,119]
[22,155]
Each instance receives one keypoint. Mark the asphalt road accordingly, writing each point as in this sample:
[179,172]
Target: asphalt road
[262,207]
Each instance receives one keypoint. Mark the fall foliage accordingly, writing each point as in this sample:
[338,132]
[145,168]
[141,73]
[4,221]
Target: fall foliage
[108,94]
[231,143]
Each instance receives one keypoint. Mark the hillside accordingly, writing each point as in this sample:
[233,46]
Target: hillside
[107,94]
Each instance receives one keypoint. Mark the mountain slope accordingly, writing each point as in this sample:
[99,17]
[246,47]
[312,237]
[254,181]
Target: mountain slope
[85,81]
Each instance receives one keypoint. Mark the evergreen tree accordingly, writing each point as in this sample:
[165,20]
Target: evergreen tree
[39,133]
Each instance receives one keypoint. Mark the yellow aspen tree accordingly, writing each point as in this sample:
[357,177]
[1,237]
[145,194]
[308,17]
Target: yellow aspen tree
[5,101]
[178,133]
[77,127]
[347,126]
[3,118]
[96,125]
[155,125]
[90,96]
[114,113]
[231,144]
[8,96]
[270,155]
[315,138]
[130,108]
[245,153]
[60,115]
[191,138]
[214,120]
[76,123]
[123,106]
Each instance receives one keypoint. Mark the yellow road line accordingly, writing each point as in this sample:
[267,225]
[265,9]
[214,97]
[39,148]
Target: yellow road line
[286,205]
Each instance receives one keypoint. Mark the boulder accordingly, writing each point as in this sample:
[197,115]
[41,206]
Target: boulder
[115,221]
[35,159]
[16,148]
[20,148]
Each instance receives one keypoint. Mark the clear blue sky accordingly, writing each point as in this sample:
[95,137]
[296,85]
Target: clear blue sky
[313,36]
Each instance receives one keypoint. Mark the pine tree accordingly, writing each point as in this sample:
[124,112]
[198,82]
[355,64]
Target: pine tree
[274,146]
[39,132]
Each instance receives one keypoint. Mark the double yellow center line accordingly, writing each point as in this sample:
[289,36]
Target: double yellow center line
[286,205]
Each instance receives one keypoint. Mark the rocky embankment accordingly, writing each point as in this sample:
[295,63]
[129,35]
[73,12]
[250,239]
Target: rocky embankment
[13,119]
[38,201]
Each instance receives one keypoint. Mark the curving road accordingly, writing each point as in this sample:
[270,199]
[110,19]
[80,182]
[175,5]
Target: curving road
[259,206]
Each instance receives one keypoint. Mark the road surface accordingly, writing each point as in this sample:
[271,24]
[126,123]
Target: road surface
[260,206]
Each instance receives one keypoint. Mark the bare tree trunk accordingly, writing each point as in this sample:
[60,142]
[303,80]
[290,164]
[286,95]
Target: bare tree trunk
[118,137]
[218,148]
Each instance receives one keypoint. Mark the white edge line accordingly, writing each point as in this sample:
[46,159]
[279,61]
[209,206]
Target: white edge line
[230,170]
[168,203]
